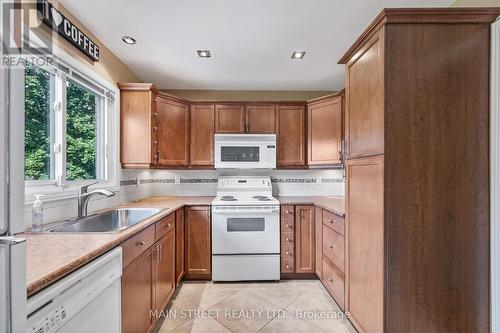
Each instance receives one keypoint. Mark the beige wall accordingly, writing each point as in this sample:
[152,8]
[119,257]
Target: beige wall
[247,95]
[109,66]
[476,3]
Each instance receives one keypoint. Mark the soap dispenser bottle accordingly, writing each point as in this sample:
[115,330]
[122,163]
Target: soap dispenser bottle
[37,214]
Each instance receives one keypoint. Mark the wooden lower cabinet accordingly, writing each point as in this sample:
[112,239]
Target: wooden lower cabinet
[365,243]
[198,242]
[137,287]
[318,214]
[164,270]
[304,239]
[333,280]
[179,245]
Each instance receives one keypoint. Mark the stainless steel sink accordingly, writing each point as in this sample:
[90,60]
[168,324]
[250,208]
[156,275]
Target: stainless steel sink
[114,220]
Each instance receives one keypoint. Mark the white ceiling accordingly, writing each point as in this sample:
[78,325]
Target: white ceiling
[251,41]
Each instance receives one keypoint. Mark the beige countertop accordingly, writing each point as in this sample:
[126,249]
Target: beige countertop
[51,256]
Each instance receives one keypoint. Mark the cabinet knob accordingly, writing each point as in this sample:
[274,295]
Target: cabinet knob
[288,253]
[168,224]
[141,243]
[330,279]
[288,239]
[330,246]
[288,226]
[288,212]
[287,266]
[330,221]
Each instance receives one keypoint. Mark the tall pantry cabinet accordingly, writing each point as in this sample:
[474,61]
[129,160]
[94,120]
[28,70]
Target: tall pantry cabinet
[417,180]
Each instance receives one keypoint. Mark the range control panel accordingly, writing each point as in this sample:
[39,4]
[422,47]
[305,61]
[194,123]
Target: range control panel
[51,322]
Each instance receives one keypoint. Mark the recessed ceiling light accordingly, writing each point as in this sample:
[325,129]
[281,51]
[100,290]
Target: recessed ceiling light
[204,53]
[298,54]
[129,40]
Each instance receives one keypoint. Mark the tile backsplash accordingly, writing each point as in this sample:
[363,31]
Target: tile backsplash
[137,184]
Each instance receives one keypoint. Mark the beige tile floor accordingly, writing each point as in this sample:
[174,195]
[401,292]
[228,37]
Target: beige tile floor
[285,306]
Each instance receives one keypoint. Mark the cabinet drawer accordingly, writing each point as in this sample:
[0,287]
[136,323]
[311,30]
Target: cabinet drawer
[164,225]
[136,245]
[287,214]
[333,280]
[333,247]
[287,225]
[334,221]
[287,252]
[287,266]
[287,239]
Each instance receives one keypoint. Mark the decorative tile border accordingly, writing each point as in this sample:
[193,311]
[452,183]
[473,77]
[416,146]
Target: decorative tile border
[214,181]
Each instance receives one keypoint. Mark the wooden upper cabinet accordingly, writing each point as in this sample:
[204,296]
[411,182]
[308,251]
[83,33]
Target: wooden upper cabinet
[202,134]
[364,116]
[305,236]
[325,132]
[172,133]
[198,241]
[137,122]
[291,132]
[260,119]
[365,242]
[229,118]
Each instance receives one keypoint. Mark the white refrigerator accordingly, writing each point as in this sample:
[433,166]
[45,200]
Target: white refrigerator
[12,249]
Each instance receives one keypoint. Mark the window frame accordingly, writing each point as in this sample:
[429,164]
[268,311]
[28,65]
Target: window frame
[60,188]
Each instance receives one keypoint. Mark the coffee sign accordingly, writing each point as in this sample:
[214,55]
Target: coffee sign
[58,22]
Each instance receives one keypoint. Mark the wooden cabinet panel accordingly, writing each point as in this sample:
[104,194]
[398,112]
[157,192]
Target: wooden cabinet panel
[364,116]
[325,132]
[333,247]
[365,242]
[304,239]
[137,288]
[179,245]
[333,280]
[173,133]
[137,244]
[198,240]
[137,110]
[260,119]
[287,266]
[290,131]
[318,215]
[229,118]
[164,269]
[202,134]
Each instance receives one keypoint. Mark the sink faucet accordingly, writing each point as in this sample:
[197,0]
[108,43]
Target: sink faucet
[84,197]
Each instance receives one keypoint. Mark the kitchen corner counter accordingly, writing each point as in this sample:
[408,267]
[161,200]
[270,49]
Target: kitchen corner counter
[51,256]
[333,204]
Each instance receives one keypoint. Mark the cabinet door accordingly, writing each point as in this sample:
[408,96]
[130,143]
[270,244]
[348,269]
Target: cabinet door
[290,130]
[198,243]
[365,242]
[364,116]
[202,134]
[173,132]
[318,214]
[229,118]
[137,295]
[325,132]
[165,270]
[179,245]
[260,119]
[304,239]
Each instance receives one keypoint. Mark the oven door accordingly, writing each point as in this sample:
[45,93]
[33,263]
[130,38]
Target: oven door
[245,230]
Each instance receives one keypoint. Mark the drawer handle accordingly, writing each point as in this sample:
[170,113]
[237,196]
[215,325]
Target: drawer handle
[141,243]
[330,246]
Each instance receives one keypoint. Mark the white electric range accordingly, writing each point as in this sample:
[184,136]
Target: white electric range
[245,230]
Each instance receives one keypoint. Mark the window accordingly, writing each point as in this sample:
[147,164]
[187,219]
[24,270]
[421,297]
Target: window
[39,124]
[69,121]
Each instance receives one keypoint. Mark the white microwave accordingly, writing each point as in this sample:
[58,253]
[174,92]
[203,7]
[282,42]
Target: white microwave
[245,151]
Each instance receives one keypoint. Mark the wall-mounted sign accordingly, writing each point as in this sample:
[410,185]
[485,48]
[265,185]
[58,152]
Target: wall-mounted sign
[58,22]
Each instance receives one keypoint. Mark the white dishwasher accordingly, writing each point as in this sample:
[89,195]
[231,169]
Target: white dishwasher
[87,300]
